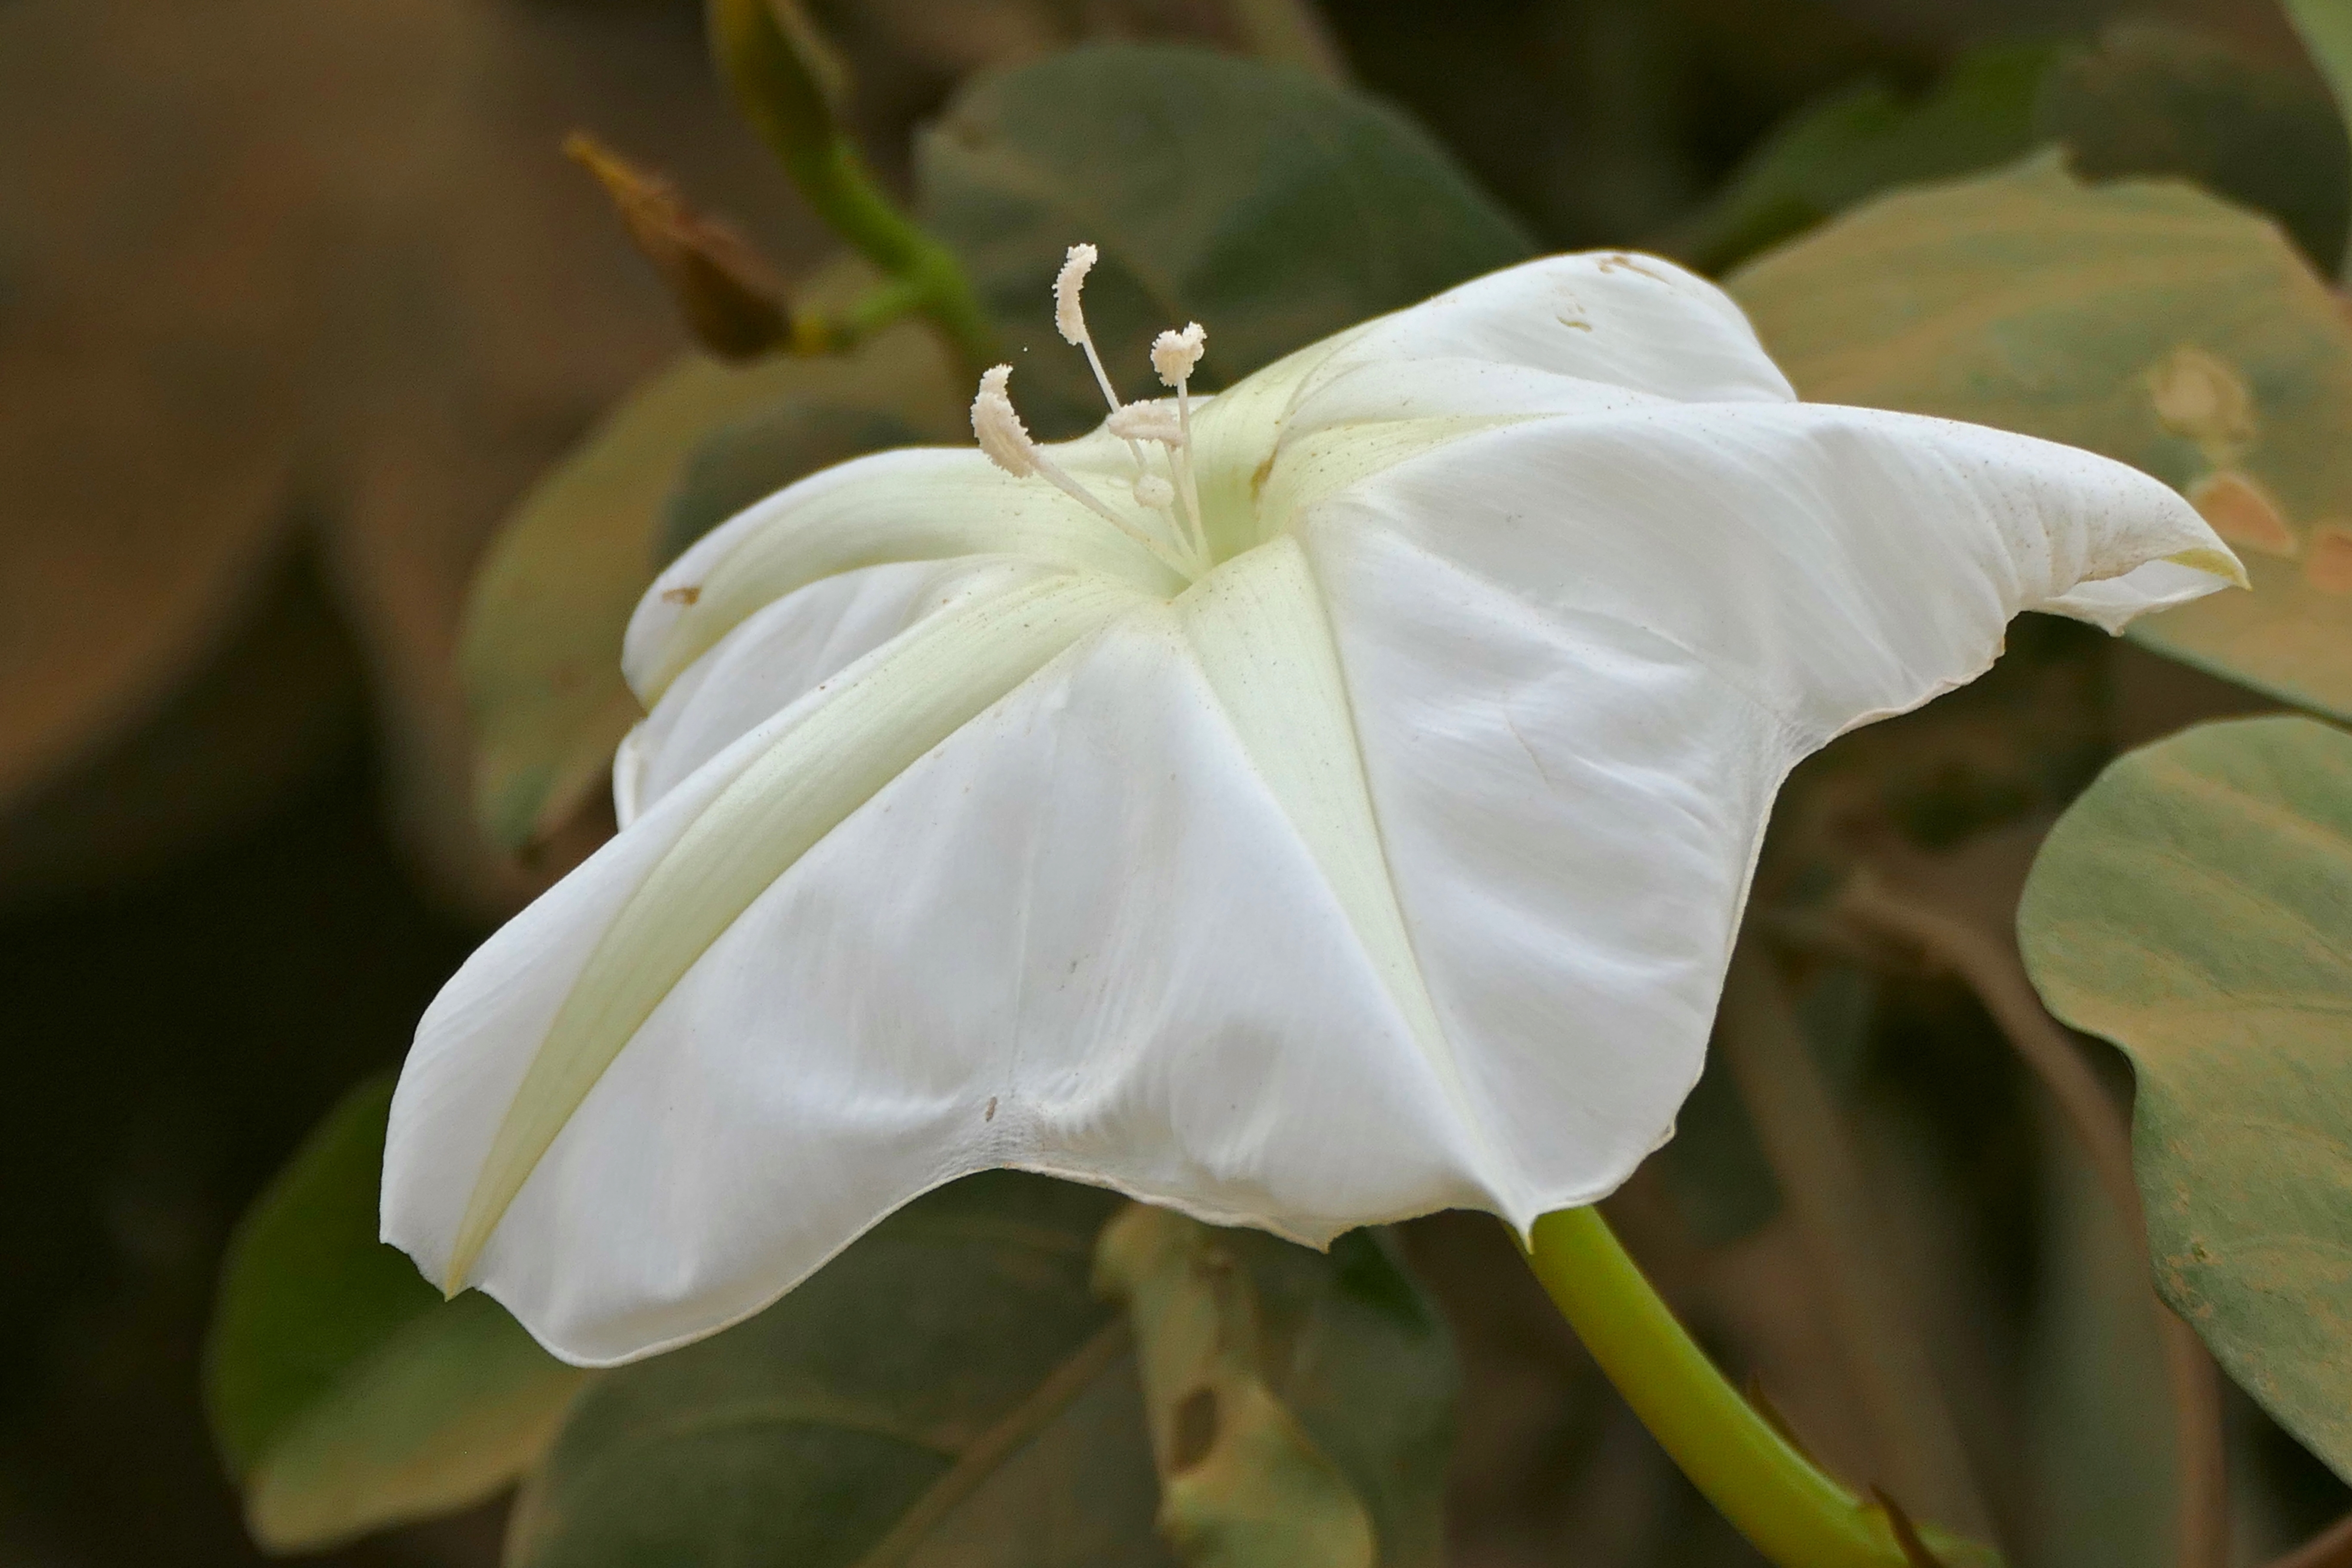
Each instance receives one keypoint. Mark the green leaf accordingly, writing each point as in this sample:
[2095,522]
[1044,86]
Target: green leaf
[2154,99]
[346,1395]
[1863,140]
[2144,320]
[540,649]
[2148,97]
[951,1390]
[1300,1406]
[2195,908]
[1272,206]
[2326,27]
[947,1390]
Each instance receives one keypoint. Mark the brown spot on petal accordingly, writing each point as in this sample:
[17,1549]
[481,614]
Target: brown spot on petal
[1621,261]
[685,595]
[990,1114]
[1263,472]
[2243,512]
[2329,565]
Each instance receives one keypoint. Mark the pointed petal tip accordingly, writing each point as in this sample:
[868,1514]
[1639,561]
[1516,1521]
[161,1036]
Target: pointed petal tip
[2218,561]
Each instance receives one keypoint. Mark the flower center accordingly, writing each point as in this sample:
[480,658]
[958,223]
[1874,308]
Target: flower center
[1167,518]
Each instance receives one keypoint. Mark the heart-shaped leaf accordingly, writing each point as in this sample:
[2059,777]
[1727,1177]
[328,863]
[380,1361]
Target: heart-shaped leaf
[2144,320]
[953,1390]
[1267,204]
[1862,140]
[2195,908]
[346,1396]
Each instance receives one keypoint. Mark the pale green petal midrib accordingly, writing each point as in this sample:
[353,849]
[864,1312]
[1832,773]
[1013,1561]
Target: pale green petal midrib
[879,718]
[1262,636]
[979,517]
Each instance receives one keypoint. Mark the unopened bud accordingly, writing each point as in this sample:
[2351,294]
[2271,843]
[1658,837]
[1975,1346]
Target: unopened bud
[731,298]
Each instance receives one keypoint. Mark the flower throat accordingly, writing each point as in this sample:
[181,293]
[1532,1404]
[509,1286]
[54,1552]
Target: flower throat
[1170,525]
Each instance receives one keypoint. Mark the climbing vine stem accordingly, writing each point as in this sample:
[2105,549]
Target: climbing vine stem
[1786,1506]
[786,84]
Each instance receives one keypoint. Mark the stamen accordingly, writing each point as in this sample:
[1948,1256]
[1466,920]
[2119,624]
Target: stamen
[1151,490]
[1069,311]
[1146,422]
[1008,444]
[998,427]
[1070,316]
[1157,421]
[1174,354]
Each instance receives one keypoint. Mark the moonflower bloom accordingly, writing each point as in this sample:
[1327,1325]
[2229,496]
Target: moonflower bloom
[1310,806]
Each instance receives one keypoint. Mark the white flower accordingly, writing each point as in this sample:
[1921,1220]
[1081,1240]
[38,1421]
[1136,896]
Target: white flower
[1351,822]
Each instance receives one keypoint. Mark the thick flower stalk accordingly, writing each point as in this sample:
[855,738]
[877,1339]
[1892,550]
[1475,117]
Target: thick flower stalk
[1310,806]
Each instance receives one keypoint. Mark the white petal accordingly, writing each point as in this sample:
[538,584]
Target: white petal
[1571,808]
[1562,334]
[2114,603]
[786,649]
[1080,936]
[1582,654]
[1638,324]
[913,504]
[643,910]
[1835,564]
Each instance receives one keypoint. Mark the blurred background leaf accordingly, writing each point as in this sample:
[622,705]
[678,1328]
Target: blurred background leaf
[2154,99]
[2144,97]
[953,1389]
[947,1390]
[345,1394]
[1864,139]
[2099,1424]
[1266,203]
[541,646]
[149,363]
[2194,908]
[2142,318]
[1300,1405]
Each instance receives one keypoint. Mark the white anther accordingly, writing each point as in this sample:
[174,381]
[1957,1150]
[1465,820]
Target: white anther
[1151,490]
[1146,422]
[1070,319]
[1008,445]
[1069,314]
[1174,353]
[1002,434]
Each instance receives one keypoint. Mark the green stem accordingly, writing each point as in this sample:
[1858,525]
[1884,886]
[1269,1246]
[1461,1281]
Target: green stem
[1774,1495]
[843,330]
[836,182]
[779,72]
